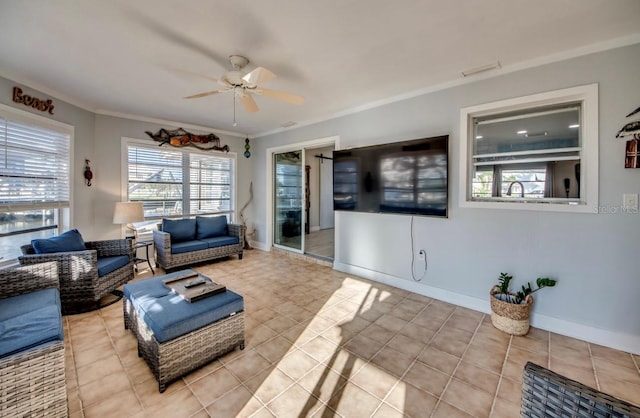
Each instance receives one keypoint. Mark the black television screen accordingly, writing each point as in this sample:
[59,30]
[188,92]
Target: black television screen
[409,177]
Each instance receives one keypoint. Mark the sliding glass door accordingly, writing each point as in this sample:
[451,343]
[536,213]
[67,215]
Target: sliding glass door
[288,200]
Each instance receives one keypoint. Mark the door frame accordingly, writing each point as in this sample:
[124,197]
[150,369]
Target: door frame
[302,146]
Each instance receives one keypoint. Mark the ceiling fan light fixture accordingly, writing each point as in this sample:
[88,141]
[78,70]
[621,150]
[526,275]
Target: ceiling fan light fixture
[245,85]
[238,61]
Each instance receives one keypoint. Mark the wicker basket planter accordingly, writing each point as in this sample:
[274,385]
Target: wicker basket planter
[510,317]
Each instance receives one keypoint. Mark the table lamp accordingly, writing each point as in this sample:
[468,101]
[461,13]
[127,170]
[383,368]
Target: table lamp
[127,213]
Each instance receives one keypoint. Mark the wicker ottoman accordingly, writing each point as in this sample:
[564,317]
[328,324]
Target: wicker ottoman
[176,336]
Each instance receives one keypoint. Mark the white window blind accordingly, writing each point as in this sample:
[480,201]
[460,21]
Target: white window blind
[34,166]
[173,182]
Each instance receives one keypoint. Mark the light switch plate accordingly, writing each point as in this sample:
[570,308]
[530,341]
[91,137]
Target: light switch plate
[630,202]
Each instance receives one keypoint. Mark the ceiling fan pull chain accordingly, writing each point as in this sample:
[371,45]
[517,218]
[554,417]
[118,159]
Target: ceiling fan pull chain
[234,108]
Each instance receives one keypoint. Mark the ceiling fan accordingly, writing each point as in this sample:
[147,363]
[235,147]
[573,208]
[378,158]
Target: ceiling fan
[245,85]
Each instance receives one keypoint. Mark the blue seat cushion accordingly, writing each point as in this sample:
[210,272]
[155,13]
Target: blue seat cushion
[187,247]
[70,240]
[112,263]
[169,316]
[221,241]
[30,320]
[180,229]
[209,227]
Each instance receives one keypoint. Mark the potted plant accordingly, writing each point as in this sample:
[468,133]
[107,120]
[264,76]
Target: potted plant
[510,311]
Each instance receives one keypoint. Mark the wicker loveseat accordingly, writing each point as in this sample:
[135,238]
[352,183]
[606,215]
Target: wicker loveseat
[93,270]
[32,372]
[188,241]
[548,394]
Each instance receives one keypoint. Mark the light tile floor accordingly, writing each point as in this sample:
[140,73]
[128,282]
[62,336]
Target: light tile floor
[321,343]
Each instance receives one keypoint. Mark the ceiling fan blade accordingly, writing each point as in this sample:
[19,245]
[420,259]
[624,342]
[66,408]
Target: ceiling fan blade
[223,82]
[206,77]
[258,76]
[281,95]
[206,93]
[248,103]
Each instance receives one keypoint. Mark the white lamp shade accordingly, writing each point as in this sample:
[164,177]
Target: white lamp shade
[128,212]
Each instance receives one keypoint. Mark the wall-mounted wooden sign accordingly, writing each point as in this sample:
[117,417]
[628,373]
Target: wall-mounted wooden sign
[25,99]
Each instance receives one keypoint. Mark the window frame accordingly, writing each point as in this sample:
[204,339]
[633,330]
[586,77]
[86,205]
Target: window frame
[587,95]
[64,210]
[231,213]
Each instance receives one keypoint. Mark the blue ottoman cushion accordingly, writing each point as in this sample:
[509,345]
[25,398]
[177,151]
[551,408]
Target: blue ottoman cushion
[108,264]
[169,316]
[220,241]
[29,320]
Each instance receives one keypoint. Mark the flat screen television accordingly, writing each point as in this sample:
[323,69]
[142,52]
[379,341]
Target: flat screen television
[408,177]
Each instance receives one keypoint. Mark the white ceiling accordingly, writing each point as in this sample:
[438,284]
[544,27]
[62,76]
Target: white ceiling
[121,56]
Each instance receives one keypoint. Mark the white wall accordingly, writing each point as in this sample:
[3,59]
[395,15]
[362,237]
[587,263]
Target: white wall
[592,255]
[98,138]
[109,132]
[83,122]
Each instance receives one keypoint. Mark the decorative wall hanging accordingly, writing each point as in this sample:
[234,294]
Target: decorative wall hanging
[247,234]
[88,175]
[25,99]
[632,157]
[632,148]
[247,147]
[181,138]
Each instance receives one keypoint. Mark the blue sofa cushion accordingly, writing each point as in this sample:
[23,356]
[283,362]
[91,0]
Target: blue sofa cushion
[30,320]
[180,229]
[169,316]
[107,265]
[70,240]
[209,227]
[186,247]
[221,241]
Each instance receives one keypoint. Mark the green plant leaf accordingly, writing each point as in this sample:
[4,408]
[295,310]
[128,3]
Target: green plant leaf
[504,281]
[545,282]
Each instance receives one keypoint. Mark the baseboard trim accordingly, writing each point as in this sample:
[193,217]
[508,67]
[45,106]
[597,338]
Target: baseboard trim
[619,341]
[260,245]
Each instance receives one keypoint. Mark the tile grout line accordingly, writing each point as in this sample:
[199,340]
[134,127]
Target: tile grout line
[113,345]
[423,348]
[504,363]
[75,369]
[453,372]
[410,365]
[381,348]
[633,358]
[593,366]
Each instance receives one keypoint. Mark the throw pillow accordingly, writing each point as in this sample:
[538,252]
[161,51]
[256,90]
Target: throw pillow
[209,227]
[70,240]
[180,229]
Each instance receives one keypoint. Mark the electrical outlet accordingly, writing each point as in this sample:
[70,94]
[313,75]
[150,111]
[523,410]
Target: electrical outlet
[421,254]
[630,202]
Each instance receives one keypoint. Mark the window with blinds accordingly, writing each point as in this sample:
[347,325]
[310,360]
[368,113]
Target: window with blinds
[177,183]
[34,178]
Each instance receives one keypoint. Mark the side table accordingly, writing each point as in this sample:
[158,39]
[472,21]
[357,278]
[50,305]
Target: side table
[136,259]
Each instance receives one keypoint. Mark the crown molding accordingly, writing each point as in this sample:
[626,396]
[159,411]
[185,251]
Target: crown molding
[175,124]
[506,69]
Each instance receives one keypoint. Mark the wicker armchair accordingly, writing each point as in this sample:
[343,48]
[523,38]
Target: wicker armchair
[78,270]
[548,394]
[32,383]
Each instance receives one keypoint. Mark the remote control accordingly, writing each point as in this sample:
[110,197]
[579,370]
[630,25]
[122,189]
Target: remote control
[194,283]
